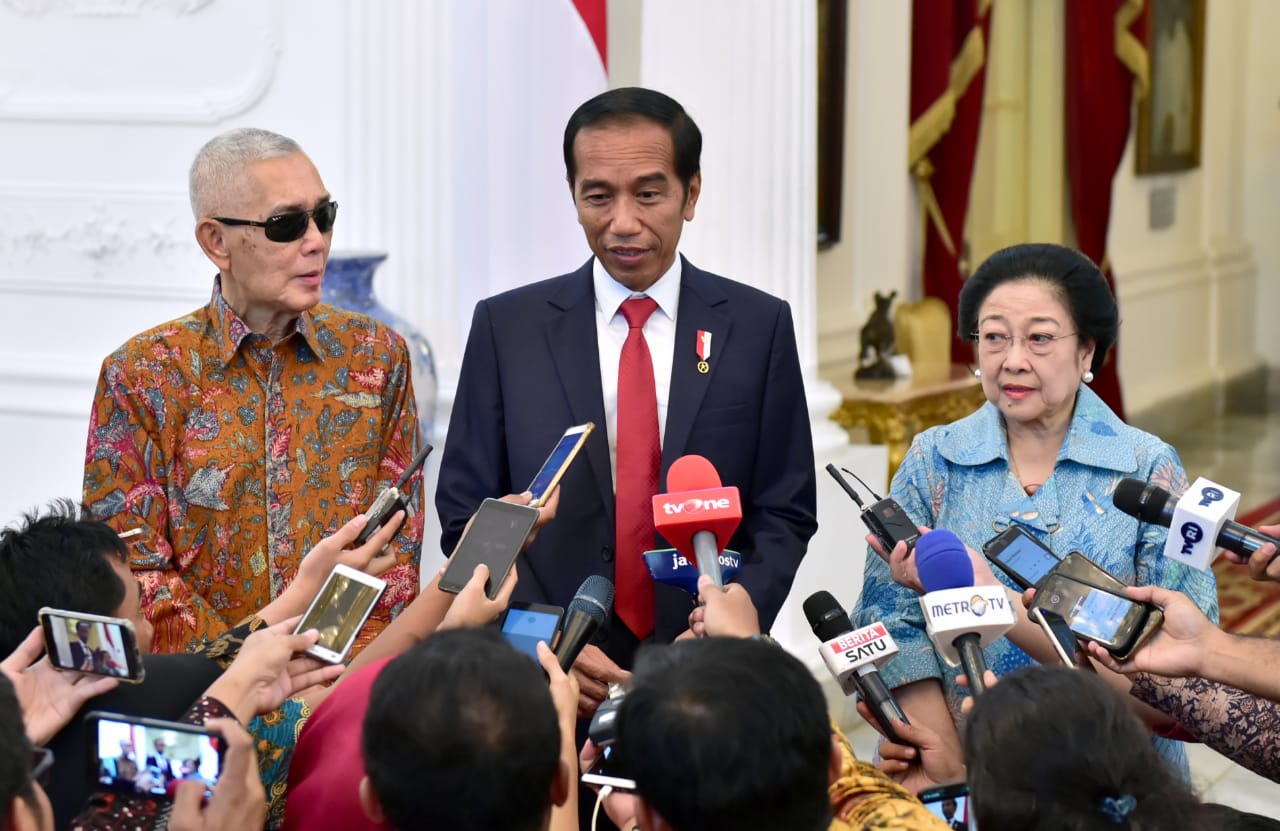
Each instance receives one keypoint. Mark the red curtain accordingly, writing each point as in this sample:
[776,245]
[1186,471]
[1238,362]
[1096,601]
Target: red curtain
[948,68]
[1099,90]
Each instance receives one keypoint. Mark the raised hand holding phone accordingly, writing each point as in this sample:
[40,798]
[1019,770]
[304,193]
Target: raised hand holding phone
[238,801]
[49,698]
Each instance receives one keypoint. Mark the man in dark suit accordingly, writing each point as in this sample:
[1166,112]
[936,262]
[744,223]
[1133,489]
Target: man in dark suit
[665,359]
[81,652]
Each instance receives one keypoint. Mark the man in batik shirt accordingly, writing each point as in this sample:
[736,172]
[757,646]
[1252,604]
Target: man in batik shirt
[240,435]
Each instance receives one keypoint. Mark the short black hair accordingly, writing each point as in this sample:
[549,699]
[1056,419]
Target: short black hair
[56,559]
[1048,746]
[727,733]
[1079,284]
[637,102]
[461,733]
[15,751]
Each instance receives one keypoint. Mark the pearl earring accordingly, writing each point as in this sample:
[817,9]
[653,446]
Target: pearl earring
[977,373]
[1088,376]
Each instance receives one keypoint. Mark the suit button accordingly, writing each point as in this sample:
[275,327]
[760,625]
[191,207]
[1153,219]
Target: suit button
[606,554]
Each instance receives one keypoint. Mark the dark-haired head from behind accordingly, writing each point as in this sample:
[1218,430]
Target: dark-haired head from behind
[1056,748]
[1226,818]
[1072,276]
[627,103]
[59,560]
[722,734]
[461,733]
[21,800]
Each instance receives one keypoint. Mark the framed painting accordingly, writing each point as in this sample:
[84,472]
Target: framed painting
[1169,117]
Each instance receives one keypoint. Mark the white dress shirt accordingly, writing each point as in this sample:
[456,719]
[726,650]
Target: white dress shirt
[611,334]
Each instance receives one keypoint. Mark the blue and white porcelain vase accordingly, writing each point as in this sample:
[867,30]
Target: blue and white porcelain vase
[348,283]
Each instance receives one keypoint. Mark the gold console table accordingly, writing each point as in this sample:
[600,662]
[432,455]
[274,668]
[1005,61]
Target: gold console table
[894,411]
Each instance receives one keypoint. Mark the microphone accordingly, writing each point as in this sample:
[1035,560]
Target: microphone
[697,515]
[588,611]
[853,658]
[961,618]
[1152,503]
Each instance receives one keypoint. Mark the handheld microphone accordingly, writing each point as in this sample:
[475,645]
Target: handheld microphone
[697,514]
[588,611]
[961,618]
[391,500]
[1152,503]
[853,658]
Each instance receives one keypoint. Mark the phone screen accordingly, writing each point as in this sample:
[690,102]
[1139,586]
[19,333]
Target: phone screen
[339,610]
[1092,613]
[951,805]
[91,644]
[140,755]
[558,461]
[495,537]
[1018,552]
[524,627]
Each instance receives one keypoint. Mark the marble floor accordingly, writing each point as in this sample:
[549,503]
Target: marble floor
[1241,451]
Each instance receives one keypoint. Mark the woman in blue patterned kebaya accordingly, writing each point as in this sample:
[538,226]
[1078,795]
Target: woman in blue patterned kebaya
[1044,453]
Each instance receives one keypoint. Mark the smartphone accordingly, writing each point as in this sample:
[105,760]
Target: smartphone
[1093,613]
[143,755]
[495,536]
[562,455]
[606,770]
[391,500]
[524,624]
[1085,570]
[92,643]
[950,803]
[1020,555]
[338,611]
[1059,634]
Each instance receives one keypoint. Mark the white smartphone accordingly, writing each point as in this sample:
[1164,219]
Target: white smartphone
[562,455]
[339,610]
[1059,634]
[605,771]
[82,642]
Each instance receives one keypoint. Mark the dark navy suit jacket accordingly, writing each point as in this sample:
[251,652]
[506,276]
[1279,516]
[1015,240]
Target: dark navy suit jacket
[532,368]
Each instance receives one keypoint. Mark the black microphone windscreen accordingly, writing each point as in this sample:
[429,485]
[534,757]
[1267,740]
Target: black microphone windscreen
[826,616]
[1140,499]
[594,599]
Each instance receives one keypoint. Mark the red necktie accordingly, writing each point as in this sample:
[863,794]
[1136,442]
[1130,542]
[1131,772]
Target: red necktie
[638,460]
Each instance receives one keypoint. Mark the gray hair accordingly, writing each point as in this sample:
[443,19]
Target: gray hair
[218,169]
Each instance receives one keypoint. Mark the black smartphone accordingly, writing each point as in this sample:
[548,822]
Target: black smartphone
[1020,555]
[607,770]
[950,803]
[524,624]
[83,642]
[562,455]
[1085,570]
[1060,636]
[143,755]
[495,536]
[339,610]
[1096,614]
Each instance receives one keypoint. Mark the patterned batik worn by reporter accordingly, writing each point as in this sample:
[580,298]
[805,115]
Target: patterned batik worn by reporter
[235,456]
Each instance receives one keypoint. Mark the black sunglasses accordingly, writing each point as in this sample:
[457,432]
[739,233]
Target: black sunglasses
[291,226]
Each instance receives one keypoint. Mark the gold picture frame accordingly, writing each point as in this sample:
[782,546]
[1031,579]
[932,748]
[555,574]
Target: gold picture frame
[1169,117]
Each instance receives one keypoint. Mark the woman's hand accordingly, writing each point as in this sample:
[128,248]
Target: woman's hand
[902,563]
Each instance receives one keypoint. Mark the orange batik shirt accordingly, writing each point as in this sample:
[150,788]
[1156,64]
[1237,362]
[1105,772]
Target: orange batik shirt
[235,456]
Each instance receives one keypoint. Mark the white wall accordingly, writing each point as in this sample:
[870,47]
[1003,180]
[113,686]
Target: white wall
[1260,156]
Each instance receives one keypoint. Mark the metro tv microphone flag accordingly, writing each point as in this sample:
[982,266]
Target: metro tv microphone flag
[697,514]
[961,618]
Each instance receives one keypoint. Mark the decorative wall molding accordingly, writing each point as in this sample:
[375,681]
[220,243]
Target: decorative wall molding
[129,42]
[60,239]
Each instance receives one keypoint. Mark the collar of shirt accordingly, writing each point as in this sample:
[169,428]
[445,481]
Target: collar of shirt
[611,334]
[1095,437]
[610,294]
[229,330]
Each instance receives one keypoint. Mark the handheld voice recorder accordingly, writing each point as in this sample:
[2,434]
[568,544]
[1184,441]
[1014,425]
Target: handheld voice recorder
[884,518]
[391,500]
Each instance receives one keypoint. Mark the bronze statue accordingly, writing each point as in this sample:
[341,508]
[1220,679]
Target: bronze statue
[877,338]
